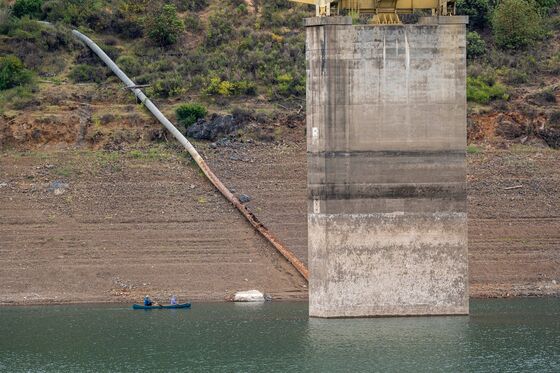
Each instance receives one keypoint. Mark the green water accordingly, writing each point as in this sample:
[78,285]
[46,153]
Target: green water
[500,335]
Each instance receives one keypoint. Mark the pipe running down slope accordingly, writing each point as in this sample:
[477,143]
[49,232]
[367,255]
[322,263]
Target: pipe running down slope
[288,254]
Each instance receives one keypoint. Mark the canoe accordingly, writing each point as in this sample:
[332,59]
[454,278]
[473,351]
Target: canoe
[163,307]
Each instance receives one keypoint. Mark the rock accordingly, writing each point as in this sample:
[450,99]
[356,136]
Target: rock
[510,129]
[249,296]
[2,185]
[211,129]
[58,187]
[243,198]
[217,126]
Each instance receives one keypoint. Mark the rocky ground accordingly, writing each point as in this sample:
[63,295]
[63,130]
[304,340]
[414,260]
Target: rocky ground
[90,226]
[514,221]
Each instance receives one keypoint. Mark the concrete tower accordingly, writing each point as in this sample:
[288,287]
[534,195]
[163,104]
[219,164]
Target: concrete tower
[386,139]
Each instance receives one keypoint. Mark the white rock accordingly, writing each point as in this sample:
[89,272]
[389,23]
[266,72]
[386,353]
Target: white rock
[249,296]
[58,191]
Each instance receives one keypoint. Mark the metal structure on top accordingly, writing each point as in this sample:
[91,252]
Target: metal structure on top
[385,12]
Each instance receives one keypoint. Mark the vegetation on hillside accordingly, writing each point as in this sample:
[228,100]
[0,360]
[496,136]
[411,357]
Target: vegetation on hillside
[221,53]
[216,50]
[513,56]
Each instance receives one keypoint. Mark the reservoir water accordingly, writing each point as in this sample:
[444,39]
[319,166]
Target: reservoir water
[513,335]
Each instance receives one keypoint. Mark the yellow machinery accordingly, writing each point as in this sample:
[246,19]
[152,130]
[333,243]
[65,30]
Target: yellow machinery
[384,11]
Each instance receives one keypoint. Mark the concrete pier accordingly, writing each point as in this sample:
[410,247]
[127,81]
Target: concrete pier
[386,139]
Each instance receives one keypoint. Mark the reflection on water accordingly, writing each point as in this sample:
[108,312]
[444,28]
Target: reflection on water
[500,335]
[391,343]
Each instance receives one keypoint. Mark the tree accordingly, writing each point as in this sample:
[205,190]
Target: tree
[30,8]
[477,10]
[165,26]
[515,23]
[13,73]
[475,45]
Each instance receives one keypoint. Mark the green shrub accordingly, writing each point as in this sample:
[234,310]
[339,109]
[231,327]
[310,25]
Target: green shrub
[477,10]
[546,5]
[165,26]
[515,76]
[13,73]
[220,29]
[552,65]
[31,8]
[127,25]
[480,91]
[188,114]
[554,23]
[473,149]
[162,65]
[476,46]
[5,20]
[271,17]
[83,73]
[286,85]
[90,13]
[515,23]
[192,5]
[57,38]
[529,64]
[32,31]
[192,23]
[216,86]
[246,88]
[18,97]
[130,65]
[168,86]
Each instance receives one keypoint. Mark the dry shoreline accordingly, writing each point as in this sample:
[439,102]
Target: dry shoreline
[285,300]
[129,303]
[82,226]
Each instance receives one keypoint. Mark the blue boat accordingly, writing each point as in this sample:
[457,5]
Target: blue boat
[165,307]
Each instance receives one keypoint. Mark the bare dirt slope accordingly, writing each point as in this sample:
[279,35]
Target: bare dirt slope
[118,226]
[275,178]
[514,222]
[129,223]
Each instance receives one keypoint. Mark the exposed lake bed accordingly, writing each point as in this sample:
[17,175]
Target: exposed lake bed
[499,335]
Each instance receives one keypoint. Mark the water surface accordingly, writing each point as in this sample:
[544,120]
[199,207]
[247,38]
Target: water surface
[499,335]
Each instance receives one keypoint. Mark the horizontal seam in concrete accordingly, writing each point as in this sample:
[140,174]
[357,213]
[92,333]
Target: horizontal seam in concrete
[432,215]
[393,153]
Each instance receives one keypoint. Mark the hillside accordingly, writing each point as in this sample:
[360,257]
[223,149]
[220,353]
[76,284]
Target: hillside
[98,203]
[232,58]
[246,59]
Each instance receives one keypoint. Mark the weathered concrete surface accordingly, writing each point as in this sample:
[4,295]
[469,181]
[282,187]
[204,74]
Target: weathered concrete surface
[386,132]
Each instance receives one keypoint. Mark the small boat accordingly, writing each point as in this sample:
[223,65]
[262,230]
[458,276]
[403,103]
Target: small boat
[161,307]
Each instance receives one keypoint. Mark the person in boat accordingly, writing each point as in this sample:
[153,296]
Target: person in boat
[173,300]
[147,301]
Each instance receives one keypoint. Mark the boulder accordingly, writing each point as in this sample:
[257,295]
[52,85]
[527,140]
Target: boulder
[249,296]
[244,198]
